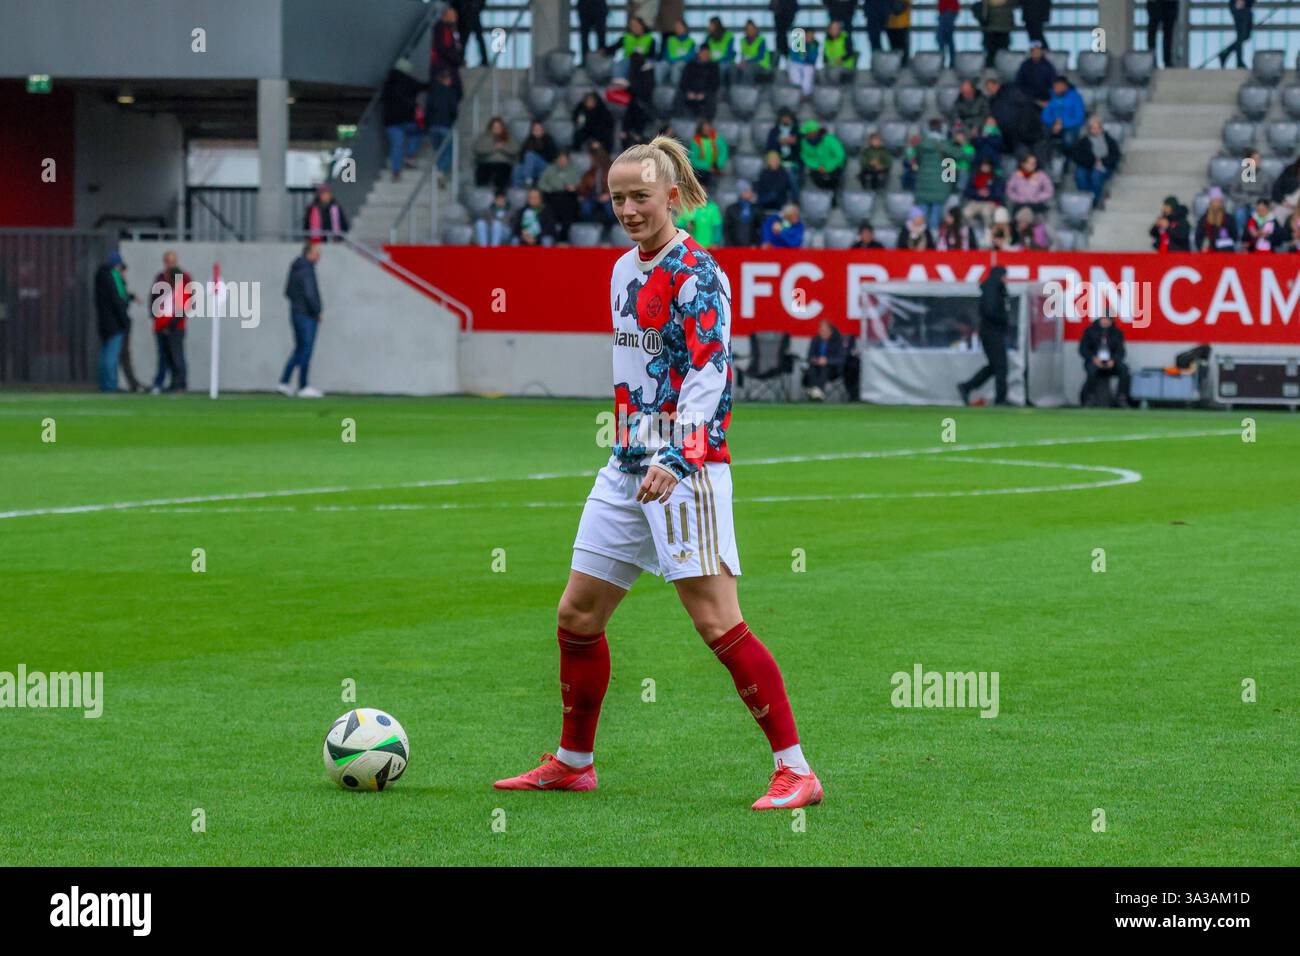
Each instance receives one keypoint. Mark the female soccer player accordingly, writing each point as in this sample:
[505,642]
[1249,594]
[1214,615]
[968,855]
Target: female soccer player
[663,501]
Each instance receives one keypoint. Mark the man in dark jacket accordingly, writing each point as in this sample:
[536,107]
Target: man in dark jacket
[398,101]
[742,223]
[825,360]
[1036,13]
[1017,115]
[305,313]
[1171,231]
[1162,15]
[993,338]
[469,22]
[1036,75]
[445,49]
[1102,348]
[169,305]
[701,80]
[440,117]
[592,15]
[111,304]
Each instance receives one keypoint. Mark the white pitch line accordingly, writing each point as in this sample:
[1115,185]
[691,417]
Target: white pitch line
[543,476]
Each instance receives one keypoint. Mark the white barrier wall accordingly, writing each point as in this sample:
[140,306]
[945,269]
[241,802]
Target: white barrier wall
[378,335]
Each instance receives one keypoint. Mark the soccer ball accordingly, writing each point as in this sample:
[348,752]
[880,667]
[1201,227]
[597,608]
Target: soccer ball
[366,749]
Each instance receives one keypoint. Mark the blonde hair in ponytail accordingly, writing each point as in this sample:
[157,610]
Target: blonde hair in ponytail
[672,165]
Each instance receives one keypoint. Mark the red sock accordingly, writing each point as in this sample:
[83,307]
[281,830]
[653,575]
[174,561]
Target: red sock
[584,675]
[758,680]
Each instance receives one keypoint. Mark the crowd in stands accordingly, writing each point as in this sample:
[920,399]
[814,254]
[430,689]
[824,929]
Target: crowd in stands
[1253,216]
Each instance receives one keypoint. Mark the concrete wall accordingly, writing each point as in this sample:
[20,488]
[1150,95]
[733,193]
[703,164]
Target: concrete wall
[378,335]
[127,163]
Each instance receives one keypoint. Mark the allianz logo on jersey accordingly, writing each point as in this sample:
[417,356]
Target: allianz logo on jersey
[650,340]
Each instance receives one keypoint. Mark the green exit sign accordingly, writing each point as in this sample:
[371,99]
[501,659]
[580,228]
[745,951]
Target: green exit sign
[39,83]
[347,132]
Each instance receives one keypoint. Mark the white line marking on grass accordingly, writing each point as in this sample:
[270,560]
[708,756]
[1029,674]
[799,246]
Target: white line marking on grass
[543,476]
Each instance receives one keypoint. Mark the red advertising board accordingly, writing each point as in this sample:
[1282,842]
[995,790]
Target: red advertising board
[1243,298]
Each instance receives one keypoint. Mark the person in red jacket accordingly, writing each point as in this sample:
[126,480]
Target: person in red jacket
[445,50]
[168,307]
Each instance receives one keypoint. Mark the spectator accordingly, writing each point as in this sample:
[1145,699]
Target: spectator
[721,44]
[837,48]
[742,223]
[537,152]
[1017,115]
[704,223]
[1258,234]
[592,120]
[1095,155]
[444,106]
[445,49]
[640,113]
[910,161]
[783,14]
[305,314]
[535,224]
[822,155]
[664,22]
[1288,234]
[1171,233]
[1243,21]
[964,154]
[843,11]
[787,141]
[1102,349]
[801,65]
[1247,190]
[899,28]
[946,33]
[701,81]
[971,108]
[1035,14]
[953,233]
[1031,231]
[492,228]
[997,23]
[825,360]
[469,23]
[592,15]
[775,189]
[593,187]
[1001,236]
[1217,231]
[398,101]
[1064,114]
[708,152]
[935,178]
[113,318]
[1029,186]
[984,193]
[988,142]
[678,46]
[1162,15]
[783,230]
[873,172]
[867,238]
[324,216]
[877,13]
[559,187]
[755,64]
[495,155]
[1036,75]
[1285,192]
[993,338]
[168,306]
[637,39]
[914,233]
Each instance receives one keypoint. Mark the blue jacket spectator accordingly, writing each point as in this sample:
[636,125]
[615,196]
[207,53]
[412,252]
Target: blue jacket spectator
[783,230]
[1065,106]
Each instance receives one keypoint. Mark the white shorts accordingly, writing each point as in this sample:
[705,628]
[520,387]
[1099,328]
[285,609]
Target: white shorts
[688,536]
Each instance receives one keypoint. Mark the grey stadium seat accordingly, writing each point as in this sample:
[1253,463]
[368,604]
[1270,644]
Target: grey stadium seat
[725,198]
[1268,66]
[600,68]
[1291,101]
[477,200]
[909,102]
[815,206]
[515,108]
[744,100]
[516,198]
[787,98]
[1270,167]
[857,205]
[1093,67]
[561,131]
[1091,96]
[969,64]
[664,98]
[826,101]
[758,130]
[730,130]
[838,237]
[1201,202]
[573,95]
[894,134]
[585,234]
[1075,207]
[852,133]
[897,205]
[458,234]
[1007,64]
[1067,240]
[559,67]
[542,101]
[1284,137]
[1254,100]
[1138,65]
[1118,130]
[836,75]
[888,239]
[926,65]
[945,99]
[1225,171]
[519,128]
[1238,135]
[885,66]
[1123,101]
[868,101]
[747,166]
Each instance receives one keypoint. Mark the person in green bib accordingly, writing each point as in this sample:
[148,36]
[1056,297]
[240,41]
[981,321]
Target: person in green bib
[637,39]
[755,64]
[721,44]
[679,46]
[837,48]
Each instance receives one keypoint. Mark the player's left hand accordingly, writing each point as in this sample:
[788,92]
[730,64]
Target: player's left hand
[657,485]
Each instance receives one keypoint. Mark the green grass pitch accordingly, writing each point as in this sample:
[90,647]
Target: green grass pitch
[1120,691]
